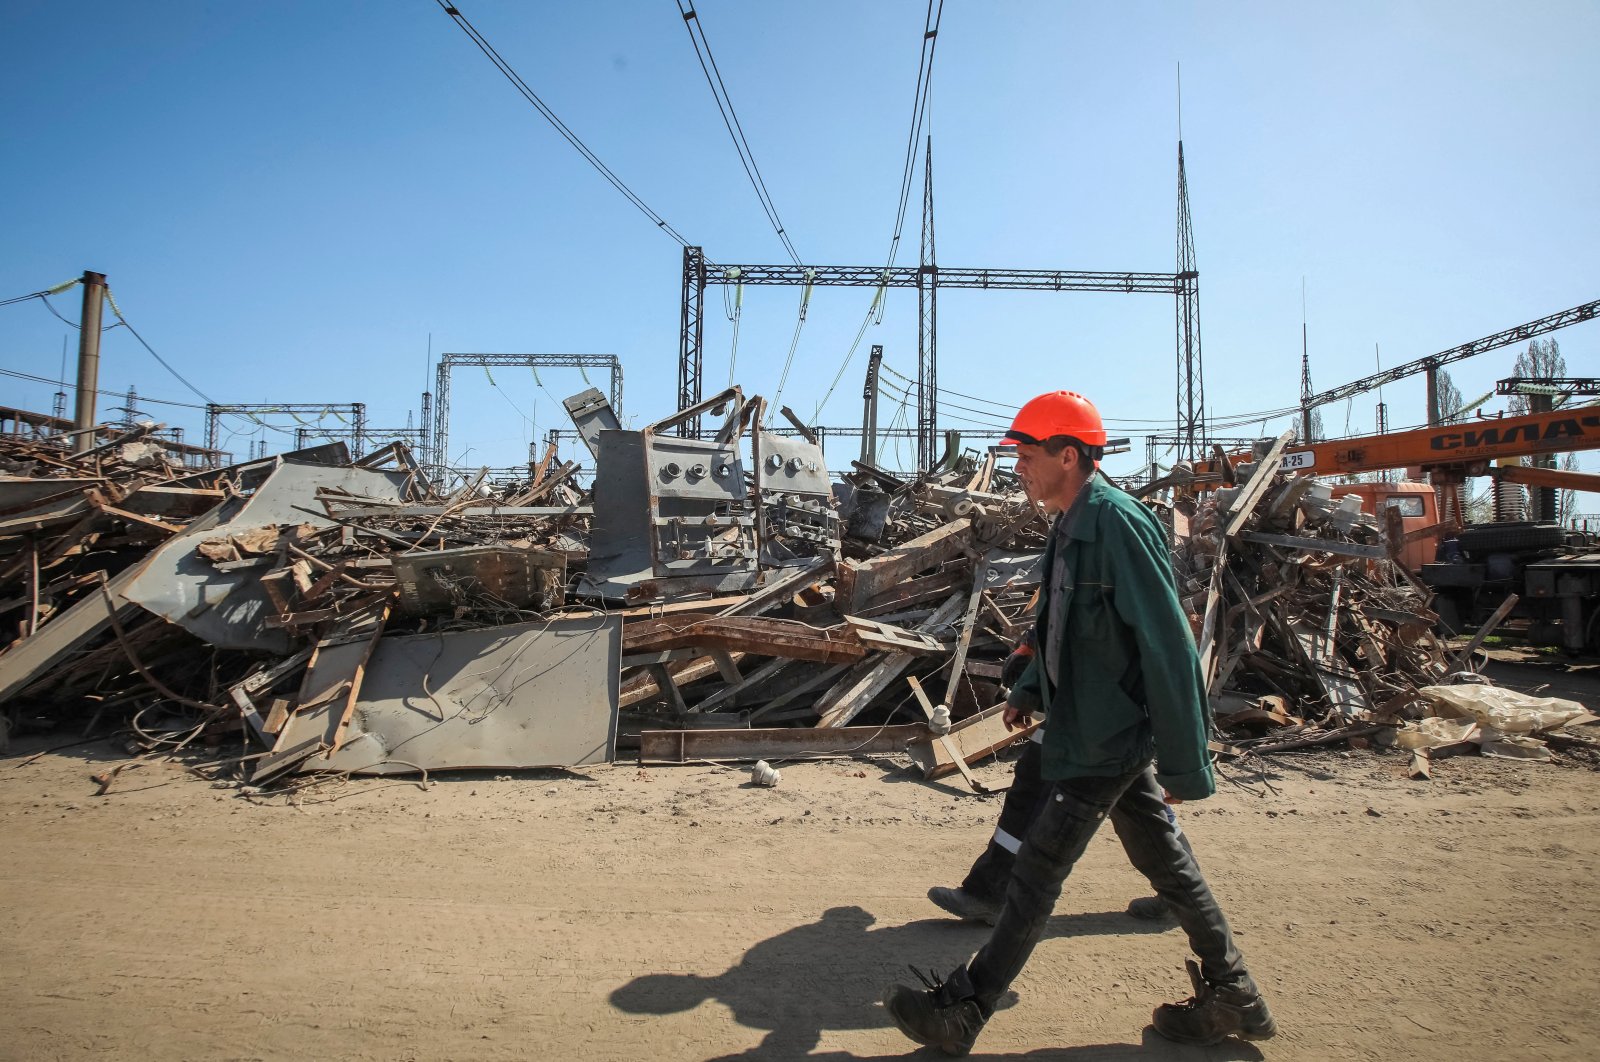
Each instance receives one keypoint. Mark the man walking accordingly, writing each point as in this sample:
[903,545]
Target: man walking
[982,892]
[1116,666]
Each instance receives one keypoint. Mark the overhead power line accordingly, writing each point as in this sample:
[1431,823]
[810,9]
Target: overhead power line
[550,116]
[58,289]
[730,118]
[1005,410]
[919,112]
[112,302]
[143,399]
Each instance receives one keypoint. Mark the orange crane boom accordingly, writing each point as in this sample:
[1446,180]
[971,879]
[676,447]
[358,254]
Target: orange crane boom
[1467,448]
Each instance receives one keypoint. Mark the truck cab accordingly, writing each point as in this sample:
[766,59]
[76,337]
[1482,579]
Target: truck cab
[1419,508]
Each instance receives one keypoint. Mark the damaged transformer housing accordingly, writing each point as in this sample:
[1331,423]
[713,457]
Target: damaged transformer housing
[677,516]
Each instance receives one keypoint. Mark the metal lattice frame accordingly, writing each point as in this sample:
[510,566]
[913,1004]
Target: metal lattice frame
[698,273]
[691,337]
[416,438]
[927,277]
[1156,445]
[1432,363]
[215,411]
[440,452]
[927,327]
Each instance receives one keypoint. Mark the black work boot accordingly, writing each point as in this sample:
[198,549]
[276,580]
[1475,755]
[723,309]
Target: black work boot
[1149,908]
[945,1015]
[965,905]
[1213,1014]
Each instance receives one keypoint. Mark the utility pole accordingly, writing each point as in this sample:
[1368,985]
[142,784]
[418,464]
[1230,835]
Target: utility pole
[94,292]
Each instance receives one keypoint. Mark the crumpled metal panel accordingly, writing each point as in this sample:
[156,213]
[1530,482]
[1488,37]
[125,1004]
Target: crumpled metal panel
[523,695]
[229,609]
[1012,570]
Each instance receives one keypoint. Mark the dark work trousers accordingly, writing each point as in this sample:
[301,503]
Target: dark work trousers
[1058,836]
[991,874]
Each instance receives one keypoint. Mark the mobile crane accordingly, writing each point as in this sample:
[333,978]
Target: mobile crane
[1556,573]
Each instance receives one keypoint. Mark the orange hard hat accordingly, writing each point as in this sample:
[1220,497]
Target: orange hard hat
[1057,413]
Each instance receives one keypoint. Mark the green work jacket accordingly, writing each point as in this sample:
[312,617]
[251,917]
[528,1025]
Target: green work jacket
[1130,684]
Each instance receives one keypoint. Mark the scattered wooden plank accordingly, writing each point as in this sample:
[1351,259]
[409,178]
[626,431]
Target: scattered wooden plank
[815,682]
[980,571]
[31,658]
[944,739]
[974,738]
[729,693]
[646,687]
[1461,658]
[764,637]
[1250,496]
[862,686]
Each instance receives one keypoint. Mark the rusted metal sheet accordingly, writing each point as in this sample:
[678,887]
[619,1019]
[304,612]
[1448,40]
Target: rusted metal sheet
[442,580]
[750,634]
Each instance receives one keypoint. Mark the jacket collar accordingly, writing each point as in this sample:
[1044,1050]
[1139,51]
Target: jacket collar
[1095,494]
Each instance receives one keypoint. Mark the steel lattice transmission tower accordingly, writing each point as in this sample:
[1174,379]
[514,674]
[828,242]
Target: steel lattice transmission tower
[1307,428]
[1191,387]
[927,328]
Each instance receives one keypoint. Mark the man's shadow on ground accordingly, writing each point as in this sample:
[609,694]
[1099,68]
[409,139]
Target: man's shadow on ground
[830,974]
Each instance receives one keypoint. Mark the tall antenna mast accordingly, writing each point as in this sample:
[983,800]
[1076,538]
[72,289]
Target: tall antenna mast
[1191,387]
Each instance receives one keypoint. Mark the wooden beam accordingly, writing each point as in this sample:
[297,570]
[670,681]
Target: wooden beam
[1316,545]
[860,581]
[975,737]
[786,742]
[1249,497]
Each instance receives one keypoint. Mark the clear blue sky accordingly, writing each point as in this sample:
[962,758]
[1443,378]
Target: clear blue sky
[290,197]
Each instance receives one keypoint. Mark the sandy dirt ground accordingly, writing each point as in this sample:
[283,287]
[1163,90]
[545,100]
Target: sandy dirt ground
[682,913]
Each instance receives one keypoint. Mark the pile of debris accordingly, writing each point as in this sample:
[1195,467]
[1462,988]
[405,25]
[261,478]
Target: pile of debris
[1311,630]
[714,596]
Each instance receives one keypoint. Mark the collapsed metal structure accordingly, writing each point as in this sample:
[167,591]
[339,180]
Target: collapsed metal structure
[357,412]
